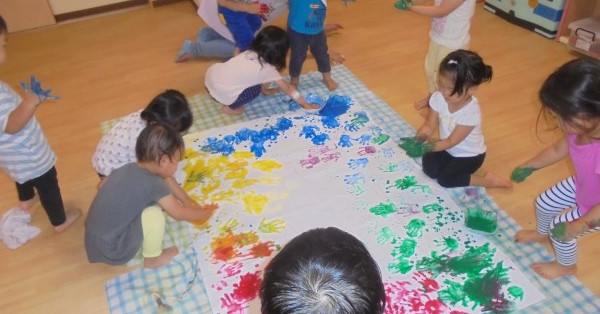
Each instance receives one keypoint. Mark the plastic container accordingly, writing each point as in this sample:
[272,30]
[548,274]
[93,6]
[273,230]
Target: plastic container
[480,220]
[585,35]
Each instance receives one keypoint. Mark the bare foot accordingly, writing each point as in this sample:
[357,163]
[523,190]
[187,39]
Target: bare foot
[295,81]
[163,259]
[336,57]
[422,103]
[330,83]
[72,216]
[494,181]
[268,91]
[528,236]
[331,28]
[227,110]
[553,270]
[28,204]
[489,180]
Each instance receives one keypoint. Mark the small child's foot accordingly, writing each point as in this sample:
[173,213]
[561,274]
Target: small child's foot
[494,181]
[528,236]
[163,259]
[228,110]
[295,81]
[185,53]
[336,58]
[28,204]
[553,269]
[330,83]
[422,103]
[72,216]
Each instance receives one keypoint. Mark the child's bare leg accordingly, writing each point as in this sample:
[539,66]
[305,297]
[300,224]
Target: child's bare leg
[72,215]
[551,270]
[329,82]
[422,103]
[490,180]
[227,110]
[163,259]
[28,204]
[528,236]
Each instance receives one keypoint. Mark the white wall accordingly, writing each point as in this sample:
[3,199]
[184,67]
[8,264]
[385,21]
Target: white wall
[66,6]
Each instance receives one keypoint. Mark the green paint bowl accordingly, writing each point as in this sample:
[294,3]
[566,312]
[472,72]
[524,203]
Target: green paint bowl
[481,220]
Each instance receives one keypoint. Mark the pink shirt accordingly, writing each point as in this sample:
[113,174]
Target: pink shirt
[586,161]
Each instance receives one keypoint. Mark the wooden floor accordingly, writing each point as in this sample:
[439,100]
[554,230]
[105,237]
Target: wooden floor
[109,66]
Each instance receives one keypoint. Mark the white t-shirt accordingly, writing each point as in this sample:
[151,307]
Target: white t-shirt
[469,115]
[452,30]
[226,81]
[117,147]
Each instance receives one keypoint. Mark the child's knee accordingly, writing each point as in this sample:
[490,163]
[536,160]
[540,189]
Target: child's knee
[153,216]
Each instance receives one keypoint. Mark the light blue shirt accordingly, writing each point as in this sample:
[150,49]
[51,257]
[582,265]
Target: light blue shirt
[307,16]
[26,154]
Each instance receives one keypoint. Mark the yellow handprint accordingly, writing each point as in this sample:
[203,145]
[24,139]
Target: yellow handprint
[273,226]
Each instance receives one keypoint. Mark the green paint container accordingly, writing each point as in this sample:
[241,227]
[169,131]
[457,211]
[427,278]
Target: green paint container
[481,220]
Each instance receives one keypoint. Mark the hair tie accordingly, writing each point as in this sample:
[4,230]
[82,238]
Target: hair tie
[452,61]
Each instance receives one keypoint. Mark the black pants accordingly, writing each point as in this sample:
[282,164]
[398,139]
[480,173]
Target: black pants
[300,43]
[49,192]
[450,171]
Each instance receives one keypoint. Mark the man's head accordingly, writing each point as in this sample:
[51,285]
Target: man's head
[322,271]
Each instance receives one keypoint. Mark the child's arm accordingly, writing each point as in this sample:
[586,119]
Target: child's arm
[444,9]
[459,133]
[558,151]
[180,194]
[19,117]
[429,126]
[291,91]
[252,8]
[179,212]
[567,231]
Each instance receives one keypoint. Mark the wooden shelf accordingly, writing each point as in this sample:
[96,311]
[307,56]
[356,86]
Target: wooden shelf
[576,10]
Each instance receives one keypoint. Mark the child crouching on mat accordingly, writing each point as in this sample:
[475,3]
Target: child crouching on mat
[127,213]
[571,208]
[459,153]
[239,80]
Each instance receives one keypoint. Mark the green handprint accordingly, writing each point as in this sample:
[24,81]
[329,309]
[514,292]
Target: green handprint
[415,148]
[403,4]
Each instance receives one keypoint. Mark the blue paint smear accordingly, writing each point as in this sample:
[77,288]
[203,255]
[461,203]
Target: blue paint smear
[358,163]
[320,139]
[284,124]
[335,106]
[309,131]
[345,141]
[215,145]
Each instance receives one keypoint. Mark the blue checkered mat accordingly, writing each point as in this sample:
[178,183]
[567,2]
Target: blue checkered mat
[177,289]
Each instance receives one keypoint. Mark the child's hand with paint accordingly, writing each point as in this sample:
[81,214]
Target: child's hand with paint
[521,173]
[35,87]
[403,4]
[416,146]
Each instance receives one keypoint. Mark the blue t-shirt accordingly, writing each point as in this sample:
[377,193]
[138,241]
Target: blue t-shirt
[307,16]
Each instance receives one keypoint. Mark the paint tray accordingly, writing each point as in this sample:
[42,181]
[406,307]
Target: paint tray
[482,221]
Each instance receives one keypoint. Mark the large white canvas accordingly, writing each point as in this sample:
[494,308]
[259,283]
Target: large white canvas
[370,189]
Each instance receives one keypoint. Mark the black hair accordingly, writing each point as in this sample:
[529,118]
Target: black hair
[169,108]
[3,27]
[271,44]
[573,92]
[466,68]
[158,140]
[322,271]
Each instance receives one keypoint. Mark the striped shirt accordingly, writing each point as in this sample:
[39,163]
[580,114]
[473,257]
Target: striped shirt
[26,154]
